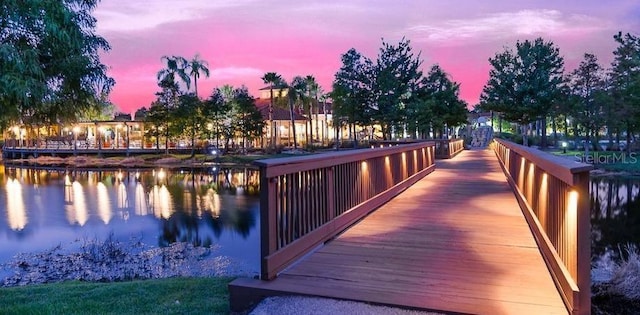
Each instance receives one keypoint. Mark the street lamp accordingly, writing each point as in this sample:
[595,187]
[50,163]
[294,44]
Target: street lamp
[564,147]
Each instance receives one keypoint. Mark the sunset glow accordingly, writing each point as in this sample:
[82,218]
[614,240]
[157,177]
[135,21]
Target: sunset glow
[243,39]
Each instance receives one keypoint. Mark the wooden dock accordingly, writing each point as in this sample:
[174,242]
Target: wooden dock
[456,241]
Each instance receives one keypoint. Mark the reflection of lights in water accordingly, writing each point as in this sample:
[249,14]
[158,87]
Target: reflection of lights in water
[161,174]
[141,201]
[104,207]
[68,194]
[67,180]
[119,175]
[160,200]
[210,202]
[123,201]
[77,212]
[137,175]
[16,213]
[187,202]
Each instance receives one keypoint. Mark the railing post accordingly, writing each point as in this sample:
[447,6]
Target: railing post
[583,238]
[331,194]
[268,222]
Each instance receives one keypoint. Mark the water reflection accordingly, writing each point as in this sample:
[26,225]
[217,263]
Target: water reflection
[75,207]
[615,214]
[104,204]
[200,206]
[16,214]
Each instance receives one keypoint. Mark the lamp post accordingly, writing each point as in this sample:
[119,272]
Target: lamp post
[564,147]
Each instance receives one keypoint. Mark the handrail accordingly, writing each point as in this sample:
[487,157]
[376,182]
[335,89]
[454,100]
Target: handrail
[553,193]
[445,148]
[306,200]
[448,148]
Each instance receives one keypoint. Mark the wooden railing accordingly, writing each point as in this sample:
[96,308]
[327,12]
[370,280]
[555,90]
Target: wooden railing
[553,193]
[444,148]
[448,148]
[304,201]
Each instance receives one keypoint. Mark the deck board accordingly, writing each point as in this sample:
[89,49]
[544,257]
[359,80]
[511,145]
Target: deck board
[455,241]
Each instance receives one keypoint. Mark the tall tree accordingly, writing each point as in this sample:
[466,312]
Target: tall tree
[396,75]
[169,98]
[295,93]
[312,100]
[524,84]
[246,117]
[445,108]
[274,80]
[50,67]
[188,117]
[625,82]
[196,67]
[588,87]
[352,91]
[215,109]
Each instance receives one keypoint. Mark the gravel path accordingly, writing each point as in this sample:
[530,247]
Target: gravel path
[297,305]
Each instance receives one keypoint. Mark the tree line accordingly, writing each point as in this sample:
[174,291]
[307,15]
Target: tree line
[529,84]
[392,93]
[51,73]
[228,113]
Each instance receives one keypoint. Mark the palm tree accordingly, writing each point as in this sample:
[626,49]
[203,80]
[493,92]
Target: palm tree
[176,65]
[273,79]
[312,90]
[296,91]
[323,98]
[197,66]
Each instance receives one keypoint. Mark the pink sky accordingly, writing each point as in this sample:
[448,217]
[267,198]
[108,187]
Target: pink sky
[243,39]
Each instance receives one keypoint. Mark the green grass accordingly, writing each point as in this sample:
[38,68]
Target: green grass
[160,296]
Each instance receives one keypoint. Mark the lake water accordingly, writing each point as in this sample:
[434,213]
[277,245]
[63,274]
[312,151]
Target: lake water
[41,209]
[615,214]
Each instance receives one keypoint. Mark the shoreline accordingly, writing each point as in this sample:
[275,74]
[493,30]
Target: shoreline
[84,162]
[114,261]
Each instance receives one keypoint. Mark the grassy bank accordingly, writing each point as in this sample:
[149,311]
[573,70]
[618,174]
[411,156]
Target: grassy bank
[161,296]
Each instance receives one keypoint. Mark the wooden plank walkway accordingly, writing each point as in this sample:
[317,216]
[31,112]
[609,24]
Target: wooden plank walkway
[456,241]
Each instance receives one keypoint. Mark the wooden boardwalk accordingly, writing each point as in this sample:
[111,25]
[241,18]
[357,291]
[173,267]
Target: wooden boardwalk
[456,241]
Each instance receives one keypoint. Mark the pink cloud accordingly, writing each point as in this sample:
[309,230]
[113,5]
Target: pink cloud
[242,40]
